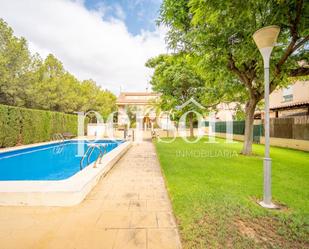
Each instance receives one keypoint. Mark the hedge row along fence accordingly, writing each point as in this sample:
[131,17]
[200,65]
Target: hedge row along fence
[26,126]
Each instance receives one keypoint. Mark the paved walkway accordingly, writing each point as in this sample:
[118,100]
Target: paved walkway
[129,208]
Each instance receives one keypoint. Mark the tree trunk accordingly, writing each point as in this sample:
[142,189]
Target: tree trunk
[250,108]
[191,124]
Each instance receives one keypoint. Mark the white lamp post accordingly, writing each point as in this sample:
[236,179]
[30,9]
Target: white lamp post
[265,39]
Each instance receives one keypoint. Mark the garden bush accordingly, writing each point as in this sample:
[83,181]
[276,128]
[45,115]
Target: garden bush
[26,126]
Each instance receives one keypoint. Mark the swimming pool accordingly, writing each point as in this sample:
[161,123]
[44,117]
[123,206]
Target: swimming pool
[49,174]
[55,161]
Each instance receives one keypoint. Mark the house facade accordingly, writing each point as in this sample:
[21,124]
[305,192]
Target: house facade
[141,102]
[284,102]
[290,101]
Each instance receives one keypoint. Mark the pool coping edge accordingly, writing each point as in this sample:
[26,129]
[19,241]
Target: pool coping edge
[67,192]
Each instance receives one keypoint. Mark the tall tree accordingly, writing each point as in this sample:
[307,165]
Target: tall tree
[178,82]
[27,80]
[15,62]
[220,34]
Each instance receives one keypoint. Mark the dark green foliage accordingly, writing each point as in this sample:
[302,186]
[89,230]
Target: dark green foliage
[26,126]
[28,81]
[3,118]
[12,128]
[218,35]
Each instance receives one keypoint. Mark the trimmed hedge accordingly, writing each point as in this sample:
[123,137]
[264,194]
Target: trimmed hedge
[26,126]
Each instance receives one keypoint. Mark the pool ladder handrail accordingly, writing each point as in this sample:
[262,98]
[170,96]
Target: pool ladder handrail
[58,136]
[59,148]
[91,148]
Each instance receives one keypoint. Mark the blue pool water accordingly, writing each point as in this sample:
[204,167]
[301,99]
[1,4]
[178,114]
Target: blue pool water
[47,162]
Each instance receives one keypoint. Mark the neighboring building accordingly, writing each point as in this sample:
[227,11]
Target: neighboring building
[290,101]
[225,111]
[137,101]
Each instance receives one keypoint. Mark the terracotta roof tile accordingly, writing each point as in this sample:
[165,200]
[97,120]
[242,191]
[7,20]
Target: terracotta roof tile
[123,100]
[294,104]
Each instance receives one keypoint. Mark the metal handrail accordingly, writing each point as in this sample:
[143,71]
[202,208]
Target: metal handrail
[61,137]
[59,146]
[90,149]
[58,136]
[82,160]
[101,153]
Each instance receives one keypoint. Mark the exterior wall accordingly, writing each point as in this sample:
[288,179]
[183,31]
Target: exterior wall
[145,110]
[300,92]
[225,111]
[121,108]
[96,130]
[141,101]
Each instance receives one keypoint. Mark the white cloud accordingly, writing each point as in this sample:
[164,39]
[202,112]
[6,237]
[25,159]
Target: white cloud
[113,9]
[88,46]
[119,12]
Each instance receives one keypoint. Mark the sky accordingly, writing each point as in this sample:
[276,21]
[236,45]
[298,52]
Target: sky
[108,41]
[138,15]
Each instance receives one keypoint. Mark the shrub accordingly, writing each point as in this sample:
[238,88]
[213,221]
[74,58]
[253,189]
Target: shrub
[26,126]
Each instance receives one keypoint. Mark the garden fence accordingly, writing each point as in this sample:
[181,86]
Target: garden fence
[296,127]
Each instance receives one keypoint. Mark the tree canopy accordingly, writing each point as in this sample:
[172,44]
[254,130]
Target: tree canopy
[28,81]
[178,81]
[219,34]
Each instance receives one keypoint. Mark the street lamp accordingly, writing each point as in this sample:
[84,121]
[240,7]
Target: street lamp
[265,39]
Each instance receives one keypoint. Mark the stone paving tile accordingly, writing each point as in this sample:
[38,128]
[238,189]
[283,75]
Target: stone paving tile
[119,205]
[158,205]
[162,238]
[147,195]
[128,209]
[138,205]
[165,220]
[19,239]
[144,220]
[96,239]
[114,219]
[131,239]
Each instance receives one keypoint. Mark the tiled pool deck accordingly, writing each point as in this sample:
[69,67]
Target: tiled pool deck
[129,208]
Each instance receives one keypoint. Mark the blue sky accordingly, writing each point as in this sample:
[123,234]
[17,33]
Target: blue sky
[138,15]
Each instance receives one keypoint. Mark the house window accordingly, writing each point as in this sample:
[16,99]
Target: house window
[287,94]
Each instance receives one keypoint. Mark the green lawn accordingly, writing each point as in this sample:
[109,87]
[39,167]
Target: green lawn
[214,191]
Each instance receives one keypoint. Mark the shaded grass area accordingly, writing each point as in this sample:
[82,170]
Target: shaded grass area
[214,191]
